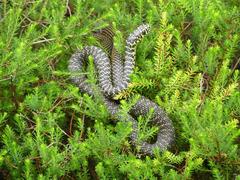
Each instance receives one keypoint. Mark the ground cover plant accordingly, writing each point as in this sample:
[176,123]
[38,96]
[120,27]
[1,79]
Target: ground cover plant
[188,64]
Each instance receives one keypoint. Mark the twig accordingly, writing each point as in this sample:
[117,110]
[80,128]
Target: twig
[44,40]
[63,131]
[68,8]
[70,126]
[186,27]
[6,79]
[58,103]
[236,64]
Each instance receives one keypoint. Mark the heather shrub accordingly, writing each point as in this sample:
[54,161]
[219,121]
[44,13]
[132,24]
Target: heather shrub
[188,64]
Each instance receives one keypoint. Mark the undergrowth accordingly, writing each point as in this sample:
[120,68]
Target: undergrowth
[188,64]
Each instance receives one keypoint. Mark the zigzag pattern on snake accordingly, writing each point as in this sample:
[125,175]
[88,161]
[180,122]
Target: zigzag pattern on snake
[113,77]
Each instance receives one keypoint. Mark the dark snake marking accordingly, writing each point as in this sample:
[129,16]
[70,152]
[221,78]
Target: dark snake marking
[113,77]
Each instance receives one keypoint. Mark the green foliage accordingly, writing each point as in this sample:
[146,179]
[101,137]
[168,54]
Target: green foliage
[188,64]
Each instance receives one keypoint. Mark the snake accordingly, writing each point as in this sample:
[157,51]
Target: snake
[113,75]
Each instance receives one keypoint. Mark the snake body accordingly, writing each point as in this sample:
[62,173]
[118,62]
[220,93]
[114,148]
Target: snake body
[113,77]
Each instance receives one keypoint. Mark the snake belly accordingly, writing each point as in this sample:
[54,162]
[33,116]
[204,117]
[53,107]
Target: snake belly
[113,77]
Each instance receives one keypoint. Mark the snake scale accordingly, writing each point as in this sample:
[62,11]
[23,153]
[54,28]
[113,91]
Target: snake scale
[113,77]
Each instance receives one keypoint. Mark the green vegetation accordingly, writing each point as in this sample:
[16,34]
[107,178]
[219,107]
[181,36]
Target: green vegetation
[188,64]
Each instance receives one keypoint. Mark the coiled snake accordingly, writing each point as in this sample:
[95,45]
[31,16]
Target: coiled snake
[113,77]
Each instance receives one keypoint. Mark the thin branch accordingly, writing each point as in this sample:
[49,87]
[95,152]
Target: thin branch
[70,125]
[5,79]
[236,64]
[43,41]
